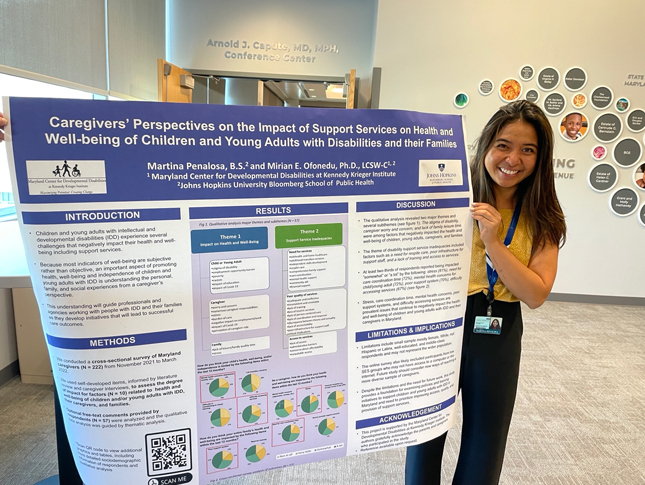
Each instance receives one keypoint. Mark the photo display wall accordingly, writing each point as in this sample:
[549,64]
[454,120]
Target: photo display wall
[581,108]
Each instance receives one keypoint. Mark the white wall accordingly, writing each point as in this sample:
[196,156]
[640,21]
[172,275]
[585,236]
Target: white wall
[347,25]
[430,51]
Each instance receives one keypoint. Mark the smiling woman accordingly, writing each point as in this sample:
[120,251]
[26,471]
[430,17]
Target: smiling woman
[519,229]
[511,159]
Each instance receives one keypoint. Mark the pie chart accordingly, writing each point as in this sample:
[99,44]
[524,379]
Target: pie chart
[326,427]
[284,408]
[220,417]
[251,413]
[290,433]
[251,382]
[219,387]
[222,460]
[336,399]
[255,453]
[309,404]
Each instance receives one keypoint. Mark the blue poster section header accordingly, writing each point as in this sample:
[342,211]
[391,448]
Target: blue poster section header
[219,240]
[177,151]
[408,330]
[406,205]
[117,340]
[84,217]
[397,417]
[267,210]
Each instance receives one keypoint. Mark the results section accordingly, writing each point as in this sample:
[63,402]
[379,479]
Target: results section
[270,315]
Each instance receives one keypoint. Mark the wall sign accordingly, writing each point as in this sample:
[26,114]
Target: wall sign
[532,95]
[627,152]
[636,120]
[603,177]
[526,73]
[554,104]
[601,97]
[624,202]
[575,79]
[486,87]
[607,127]
[548,79]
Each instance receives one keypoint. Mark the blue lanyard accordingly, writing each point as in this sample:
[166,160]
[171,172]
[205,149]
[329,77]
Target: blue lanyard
[490,270]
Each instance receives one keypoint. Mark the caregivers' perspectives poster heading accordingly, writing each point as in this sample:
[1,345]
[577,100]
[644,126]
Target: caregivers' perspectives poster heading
[225,290]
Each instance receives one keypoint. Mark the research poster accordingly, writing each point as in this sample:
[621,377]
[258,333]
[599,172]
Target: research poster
[226,290]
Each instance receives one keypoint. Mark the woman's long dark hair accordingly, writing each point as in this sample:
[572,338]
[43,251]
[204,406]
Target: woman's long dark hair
[540,203]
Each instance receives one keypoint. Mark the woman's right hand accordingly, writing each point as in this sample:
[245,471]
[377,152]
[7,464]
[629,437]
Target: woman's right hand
[3,122]
[489,220]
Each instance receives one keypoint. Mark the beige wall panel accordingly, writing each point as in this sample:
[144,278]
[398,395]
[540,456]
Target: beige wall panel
[136,39]
[64,39]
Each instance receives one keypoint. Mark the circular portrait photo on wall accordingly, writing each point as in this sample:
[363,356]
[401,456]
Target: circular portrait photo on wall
[622,105]
[579,101]
[461,100]
[510,90]
[574,126]
[639,176]
[598,152]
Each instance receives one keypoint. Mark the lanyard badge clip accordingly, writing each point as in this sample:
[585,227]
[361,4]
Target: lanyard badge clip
[491,298]
[490,324]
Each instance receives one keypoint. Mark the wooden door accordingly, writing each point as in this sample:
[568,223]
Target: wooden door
[168,87]
[351,90]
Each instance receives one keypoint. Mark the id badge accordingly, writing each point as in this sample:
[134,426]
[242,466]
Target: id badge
[489,325]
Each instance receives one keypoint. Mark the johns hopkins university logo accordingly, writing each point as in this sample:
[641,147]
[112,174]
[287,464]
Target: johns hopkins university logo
[440,173]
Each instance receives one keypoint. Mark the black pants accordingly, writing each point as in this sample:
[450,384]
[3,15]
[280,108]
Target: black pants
[488,383]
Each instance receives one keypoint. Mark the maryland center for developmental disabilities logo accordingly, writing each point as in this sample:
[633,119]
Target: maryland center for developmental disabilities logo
[66,177]
[440,172]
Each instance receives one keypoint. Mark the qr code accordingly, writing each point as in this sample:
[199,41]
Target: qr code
[168,452]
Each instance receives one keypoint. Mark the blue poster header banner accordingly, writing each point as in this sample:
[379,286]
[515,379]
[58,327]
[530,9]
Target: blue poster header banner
[177,151]
[404,416]
[84,217]
[408,330]
[267,210]
[117,340]
[406,205]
